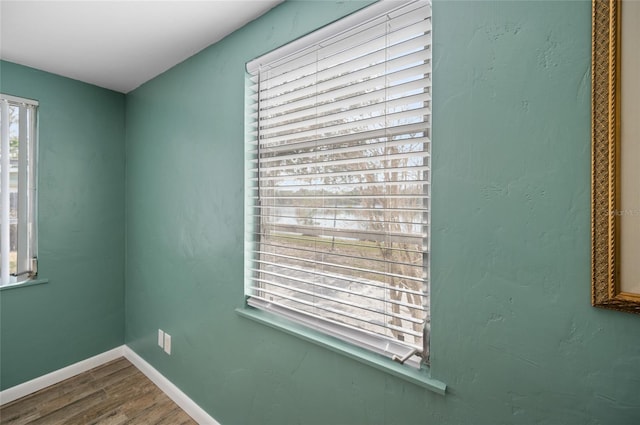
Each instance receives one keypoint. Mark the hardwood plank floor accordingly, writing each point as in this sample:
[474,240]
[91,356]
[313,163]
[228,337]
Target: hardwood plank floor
[114,393]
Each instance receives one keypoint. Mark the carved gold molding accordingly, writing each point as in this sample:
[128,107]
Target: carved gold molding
[605,104]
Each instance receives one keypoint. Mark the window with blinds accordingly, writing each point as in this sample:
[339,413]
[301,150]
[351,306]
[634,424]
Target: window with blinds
[338,180]
[18,236]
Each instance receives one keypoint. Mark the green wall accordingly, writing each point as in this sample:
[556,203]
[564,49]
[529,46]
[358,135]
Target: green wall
[80,312]
[514,335]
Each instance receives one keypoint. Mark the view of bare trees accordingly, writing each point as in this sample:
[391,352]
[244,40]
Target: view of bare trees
[346,234]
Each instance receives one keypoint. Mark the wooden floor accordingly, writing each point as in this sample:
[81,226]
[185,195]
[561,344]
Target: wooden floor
[114,393]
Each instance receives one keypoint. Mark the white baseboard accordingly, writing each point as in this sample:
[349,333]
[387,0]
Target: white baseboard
[59,375]
[174,393]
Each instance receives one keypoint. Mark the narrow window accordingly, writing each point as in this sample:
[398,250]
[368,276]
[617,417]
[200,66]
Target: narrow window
[338,180]
[18,241]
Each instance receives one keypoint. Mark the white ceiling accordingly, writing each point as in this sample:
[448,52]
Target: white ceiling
[116,44]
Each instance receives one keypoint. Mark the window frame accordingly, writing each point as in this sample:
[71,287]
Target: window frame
[343,334]
[27,232]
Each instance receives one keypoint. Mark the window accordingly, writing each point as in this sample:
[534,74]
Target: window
[338,180]
[18,242]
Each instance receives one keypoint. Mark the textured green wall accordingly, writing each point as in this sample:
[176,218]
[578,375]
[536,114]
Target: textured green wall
[514,335]
[80,312]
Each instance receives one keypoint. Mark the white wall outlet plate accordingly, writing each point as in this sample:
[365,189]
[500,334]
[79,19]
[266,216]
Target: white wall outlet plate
[167,343]
[161,338]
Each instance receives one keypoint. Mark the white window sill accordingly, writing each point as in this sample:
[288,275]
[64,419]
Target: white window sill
[418,377]
[22,284]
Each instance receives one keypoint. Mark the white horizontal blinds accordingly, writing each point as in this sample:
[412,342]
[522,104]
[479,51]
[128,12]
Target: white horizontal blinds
[4,192]
[18,188]
[339,178]
[26,190]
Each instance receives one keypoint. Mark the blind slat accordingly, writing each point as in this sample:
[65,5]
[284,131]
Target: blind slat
[345,208]
[397,119]
[323,63]
[331,142]
[406,82]
[355,317]
[372,155]
[362,148]
[342,266]
[336,86]
[280,277]
[389,64]
[340,243]
[379,171]
[260,302]
[375,104]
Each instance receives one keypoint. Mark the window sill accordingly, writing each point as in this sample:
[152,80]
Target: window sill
[415,376]
[31,282]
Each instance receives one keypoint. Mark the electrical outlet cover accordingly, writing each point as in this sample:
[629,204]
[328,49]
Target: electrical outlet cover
[161,338]
[167,343]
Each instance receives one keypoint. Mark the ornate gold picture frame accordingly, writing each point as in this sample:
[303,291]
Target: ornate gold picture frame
[614,223]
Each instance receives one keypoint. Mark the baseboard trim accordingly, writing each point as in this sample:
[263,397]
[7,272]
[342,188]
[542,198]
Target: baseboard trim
[174,393]
[36,384]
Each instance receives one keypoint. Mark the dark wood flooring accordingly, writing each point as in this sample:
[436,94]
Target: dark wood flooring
[111,394]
